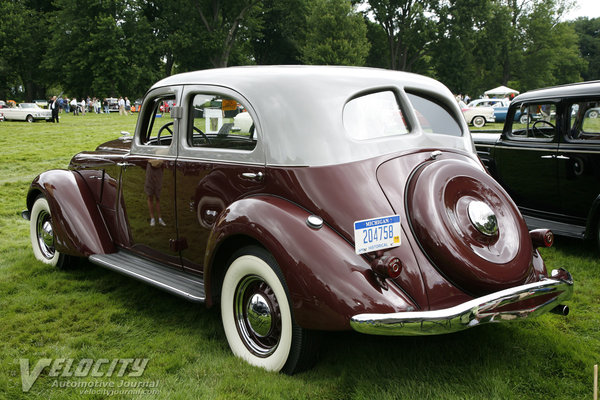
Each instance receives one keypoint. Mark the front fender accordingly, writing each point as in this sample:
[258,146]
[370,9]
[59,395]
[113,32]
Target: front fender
[593,219]
[327,282]
[78,226]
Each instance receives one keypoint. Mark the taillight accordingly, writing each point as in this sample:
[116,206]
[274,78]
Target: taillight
[541,237]
[387,267]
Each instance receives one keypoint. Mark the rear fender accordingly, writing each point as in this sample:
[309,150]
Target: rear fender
[328,283]
[79,228]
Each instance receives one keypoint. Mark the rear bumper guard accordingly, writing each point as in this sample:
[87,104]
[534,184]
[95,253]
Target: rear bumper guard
[482,310]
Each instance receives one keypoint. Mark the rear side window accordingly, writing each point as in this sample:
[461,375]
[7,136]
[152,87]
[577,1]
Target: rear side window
[220,122]
[433,117]
[374,116]
[585,121]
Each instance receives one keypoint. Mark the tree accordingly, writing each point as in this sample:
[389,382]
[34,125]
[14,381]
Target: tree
[226,24]
[88,50]
[379,52]
[588,31]
[409,31]
[550,54]
[279,39]
[455,55]
[335,34]
[23,40]
[103,48]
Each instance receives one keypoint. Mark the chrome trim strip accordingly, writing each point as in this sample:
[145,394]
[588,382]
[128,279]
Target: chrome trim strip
[554,148]
[472,313]
[576,149]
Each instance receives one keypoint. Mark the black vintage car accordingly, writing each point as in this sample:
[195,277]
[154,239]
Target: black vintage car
[549,162]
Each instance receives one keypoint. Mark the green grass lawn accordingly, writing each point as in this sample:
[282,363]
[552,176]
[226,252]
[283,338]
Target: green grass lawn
[92,313]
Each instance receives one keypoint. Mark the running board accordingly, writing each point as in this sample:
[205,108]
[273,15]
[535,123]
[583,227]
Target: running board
[183,284]
[558,228]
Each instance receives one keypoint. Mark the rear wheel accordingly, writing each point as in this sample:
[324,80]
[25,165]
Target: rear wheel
[42,236]
[257,317]
[478,122]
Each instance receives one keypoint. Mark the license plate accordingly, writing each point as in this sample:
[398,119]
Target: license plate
[376,234]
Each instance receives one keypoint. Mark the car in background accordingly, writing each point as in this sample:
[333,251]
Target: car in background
[549,160]
[41,103]
[500,107]
[113,104]
[3,104]
[26,112]
[379,218]
[477,116]
[136,106]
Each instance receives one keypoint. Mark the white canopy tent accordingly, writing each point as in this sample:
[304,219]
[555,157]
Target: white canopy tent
[501,91]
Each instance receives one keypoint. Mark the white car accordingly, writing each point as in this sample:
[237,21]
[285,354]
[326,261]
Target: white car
[26,112]
[242,122]
[489,103]
[477,116]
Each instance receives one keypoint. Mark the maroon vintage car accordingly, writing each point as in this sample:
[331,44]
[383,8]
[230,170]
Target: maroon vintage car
[302,199]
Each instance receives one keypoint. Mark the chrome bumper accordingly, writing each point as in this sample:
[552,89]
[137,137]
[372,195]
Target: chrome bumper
[481,310]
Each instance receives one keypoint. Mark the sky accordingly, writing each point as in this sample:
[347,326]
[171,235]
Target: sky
[584,8]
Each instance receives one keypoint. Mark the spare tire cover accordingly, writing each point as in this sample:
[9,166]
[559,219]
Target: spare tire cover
[446,200]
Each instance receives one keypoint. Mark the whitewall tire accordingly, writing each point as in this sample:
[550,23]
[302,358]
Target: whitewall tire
[257,317]
[42,237]
[478,122]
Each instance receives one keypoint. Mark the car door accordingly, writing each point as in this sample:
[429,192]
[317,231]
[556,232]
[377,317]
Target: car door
[221,160]
[526,158]
[579,159]
[148,182]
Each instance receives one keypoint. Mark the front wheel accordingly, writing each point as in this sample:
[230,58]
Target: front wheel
[29,118]
[42,235]
[257,317]
[478,122]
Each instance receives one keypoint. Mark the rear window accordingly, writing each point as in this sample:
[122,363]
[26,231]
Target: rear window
[373,116]
[433,117]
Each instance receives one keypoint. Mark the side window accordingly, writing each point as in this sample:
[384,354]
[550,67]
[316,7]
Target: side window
[159,126]
[220,122]
[373,116]
[585,121]
[434,117]
[534,121]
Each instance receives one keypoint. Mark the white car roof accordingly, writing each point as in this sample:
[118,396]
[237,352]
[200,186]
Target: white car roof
[299,109]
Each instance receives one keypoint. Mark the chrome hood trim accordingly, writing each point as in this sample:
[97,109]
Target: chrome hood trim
[481,310]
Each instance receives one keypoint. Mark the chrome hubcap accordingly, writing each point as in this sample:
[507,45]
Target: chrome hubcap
[45,234]
[483,218]
[257,316]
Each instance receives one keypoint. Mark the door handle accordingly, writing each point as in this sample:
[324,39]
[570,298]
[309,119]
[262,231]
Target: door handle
[548,156]
[561,157]
[125,164]
[255,176]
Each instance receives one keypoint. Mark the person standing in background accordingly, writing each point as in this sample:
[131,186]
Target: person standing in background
[54,108]
[74,106]
[121,106]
